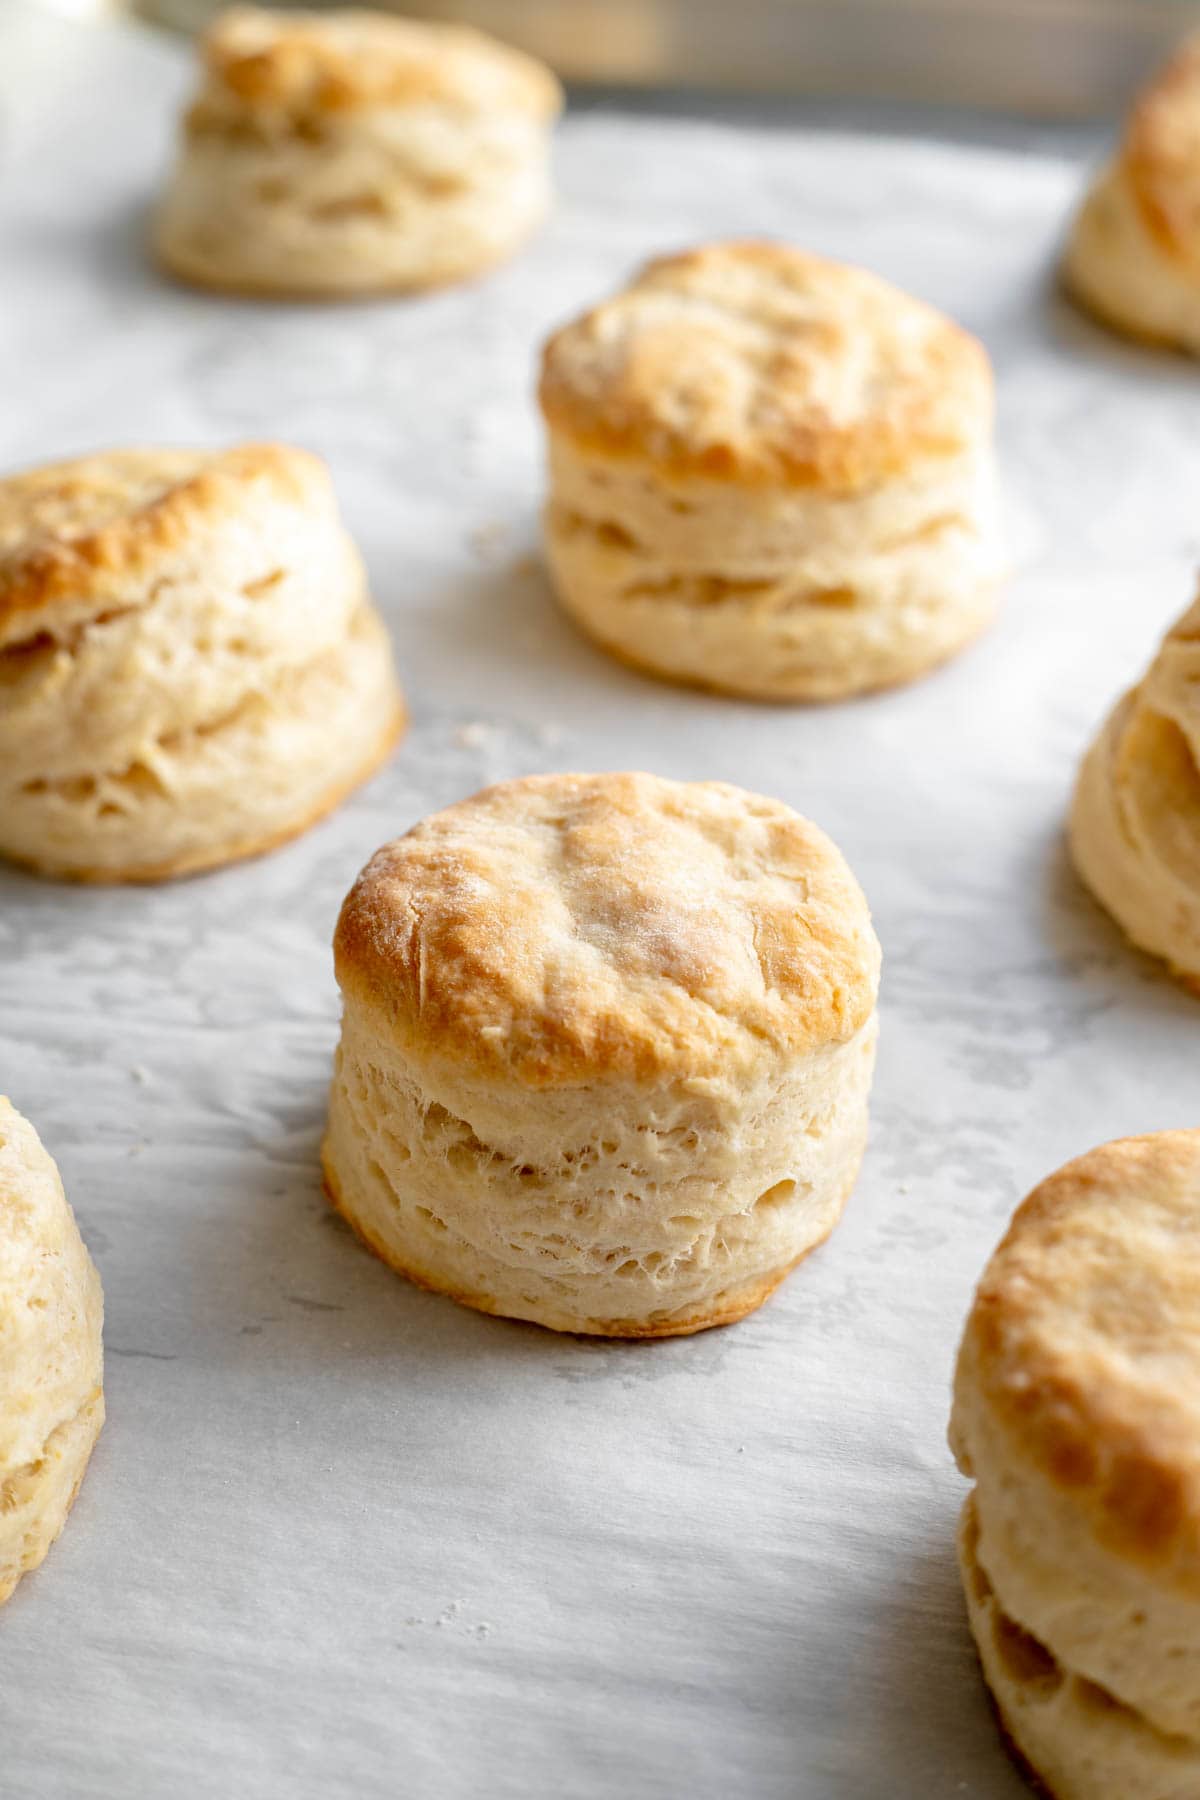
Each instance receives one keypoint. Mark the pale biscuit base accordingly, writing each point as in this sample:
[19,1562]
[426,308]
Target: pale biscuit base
[215,230]
[549,1242]
[726,1309]
[1094,1610]
[1077,1740]
[281,762]
[237,850]
[777,642]
[795,673]
[181,264]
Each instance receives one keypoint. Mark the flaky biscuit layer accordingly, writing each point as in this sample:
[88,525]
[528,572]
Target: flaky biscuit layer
[246,783]
[189,664]
[381,205]
[1075,1412]
[613,1209]
[776,594]
[606,1050]
[1071,1735]
[1134,826]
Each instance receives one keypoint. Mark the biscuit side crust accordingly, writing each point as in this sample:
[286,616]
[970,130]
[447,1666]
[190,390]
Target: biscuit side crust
[1084,1345]
[214,856]
[737,1303]
[757,363]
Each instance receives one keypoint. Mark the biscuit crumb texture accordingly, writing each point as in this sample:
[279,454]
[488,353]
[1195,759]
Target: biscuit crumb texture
[1075,1415]
[51,1361]
[606,1051]
[191,667]
[1077,1740]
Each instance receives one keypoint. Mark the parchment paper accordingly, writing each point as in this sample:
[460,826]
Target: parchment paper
[340,1538]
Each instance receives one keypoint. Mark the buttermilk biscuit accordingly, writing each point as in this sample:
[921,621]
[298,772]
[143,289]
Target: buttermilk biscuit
[329,155]
[606,1051]
[1135,820]
[190,668]
[51,1362]
[1077,1415]
[1133,257]
[771,475]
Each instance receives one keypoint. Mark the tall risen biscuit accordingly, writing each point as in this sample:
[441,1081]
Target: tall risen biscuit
[1077,1414]
[771,475]
[51,1360]
[1135,820]
[606,1050]
[334,154]
[190,666]
[1133,257]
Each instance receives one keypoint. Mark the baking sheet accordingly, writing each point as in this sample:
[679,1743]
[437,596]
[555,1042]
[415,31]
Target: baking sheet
[1054,57]
[343,1538]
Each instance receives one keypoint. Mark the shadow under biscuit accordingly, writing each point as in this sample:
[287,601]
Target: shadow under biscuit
[1092,948]
[935,1730]
[112,248]
[275,1276]
[1069,324]
[905,1707]
[503,615]
[276,1279]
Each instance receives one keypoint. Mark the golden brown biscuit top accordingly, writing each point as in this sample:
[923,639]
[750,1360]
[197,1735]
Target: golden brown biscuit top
[1161,153]
[563,929]
[76,535]
[307,64]
[755,362]
[1084,1339]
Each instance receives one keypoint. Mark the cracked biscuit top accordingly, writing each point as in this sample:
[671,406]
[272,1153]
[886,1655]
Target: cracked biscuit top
[302,65]
[79,538]
[567,928]
[1084,1345]
[759,363]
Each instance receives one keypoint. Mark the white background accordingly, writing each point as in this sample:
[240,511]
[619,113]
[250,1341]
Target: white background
[340,1538]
